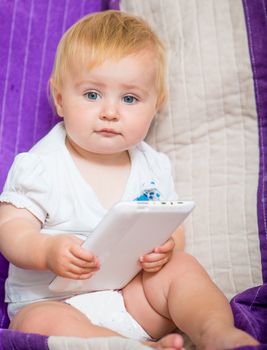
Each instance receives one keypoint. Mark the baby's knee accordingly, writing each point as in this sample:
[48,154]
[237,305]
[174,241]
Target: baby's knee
[182,257]
[182,262]
[45,317]
[25,320]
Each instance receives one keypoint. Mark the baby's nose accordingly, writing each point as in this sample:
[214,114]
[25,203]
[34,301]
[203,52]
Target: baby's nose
[110,112]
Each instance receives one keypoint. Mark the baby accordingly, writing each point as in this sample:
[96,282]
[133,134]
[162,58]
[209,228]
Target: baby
[107,84]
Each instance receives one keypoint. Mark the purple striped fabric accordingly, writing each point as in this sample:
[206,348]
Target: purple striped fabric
[250,307]
[256,19]
[30,31]
[12,340]
[256,15]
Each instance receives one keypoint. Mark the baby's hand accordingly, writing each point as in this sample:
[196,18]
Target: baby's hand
[154,261]
[65,257]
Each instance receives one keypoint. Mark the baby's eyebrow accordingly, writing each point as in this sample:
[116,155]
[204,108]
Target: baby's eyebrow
[83,83]
[132,87]
[126,87]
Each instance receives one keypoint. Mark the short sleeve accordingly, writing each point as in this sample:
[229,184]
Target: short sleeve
[26,185]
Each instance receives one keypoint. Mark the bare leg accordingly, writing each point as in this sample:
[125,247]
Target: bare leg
[181,295]
[56,318]
[59,319]
[183,292]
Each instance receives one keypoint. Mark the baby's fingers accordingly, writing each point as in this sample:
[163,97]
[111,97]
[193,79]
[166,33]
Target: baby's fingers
[81,269]
[84,264]
[80,253]
[166,247]
[76,274]
[154,266]
[152,257]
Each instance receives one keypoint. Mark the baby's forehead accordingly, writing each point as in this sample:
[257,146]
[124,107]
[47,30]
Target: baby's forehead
[129,67]
[87,61]
[90,57]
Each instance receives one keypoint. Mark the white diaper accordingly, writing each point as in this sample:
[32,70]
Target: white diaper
[107,309]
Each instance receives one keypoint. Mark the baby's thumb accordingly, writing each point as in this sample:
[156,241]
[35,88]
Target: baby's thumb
[80,252]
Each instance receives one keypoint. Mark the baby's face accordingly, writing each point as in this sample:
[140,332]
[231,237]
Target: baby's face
[108,109]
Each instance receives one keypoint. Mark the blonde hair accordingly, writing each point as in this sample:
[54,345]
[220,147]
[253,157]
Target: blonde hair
[109,34]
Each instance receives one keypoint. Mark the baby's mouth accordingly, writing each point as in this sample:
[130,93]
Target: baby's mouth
[107,132]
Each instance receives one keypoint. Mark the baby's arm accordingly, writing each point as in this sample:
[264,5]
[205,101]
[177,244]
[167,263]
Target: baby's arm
[24,246]
[155,260]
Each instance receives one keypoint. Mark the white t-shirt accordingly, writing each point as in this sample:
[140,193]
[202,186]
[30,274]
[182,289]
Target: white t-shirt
[46,182]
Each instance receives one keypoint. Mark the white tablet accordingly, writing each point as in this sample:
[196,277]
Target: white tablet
[128,231]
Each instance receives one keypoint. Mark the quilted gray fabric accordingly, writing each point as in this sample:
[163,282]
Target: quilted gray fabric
[209,129]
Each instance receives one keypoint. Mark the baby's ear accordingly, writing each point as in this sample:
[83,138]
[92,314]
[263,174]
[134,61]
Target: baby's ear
[56,98]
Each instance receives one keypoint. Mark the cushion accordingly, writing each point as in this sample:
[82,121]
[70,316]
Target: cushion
[210,131]
[249,307]
[30,31]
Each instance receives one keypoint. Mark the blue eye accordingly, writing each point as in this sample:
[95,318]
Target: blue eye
[92,95]
[129,99]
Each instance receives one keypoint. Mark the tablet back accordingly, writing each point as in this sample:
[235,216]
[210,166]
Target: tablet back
[128,231]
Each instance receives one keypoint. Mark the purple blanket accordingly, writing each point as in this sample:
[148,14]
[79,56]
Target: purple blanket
[30,31]
[11,340]
[250,307]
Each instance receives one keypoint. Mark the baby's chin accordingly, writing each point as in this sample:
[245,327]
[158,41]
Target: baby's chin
[111,149]
[107,151]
